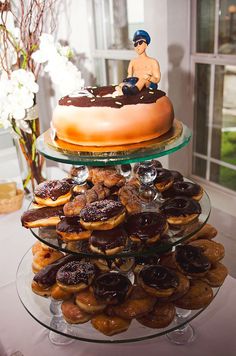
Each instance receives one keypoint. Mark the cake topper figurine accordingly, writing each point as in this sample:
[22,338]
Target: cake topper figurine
[143,71]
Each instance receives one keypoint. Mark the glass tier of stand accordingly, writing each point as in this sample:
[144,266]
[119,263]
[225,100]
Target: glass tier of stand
[49,315]
[60,151]
[173,237]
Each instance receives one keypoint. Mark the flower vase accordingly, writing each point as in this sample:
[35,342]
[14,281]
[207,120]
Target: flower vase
[31,163]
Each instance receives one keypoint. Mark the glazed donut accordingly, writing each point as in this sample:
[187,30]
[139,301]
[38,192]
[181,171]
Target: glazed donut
[163,180]
[46,216]
[190,260]
[214,251]
[137,304]
[53,192]
[216,275]
[75,276]
[180,210]
[70,229]
[146,227]
[108,242]
[206,232]
[40,290]
[73,314]
[102,215]
[87,302]
[160,317]
[39,246]
[199,295]
[107,176]
[112,287]
[44,258]
[110,325]
[187,189]
[178,177]
[58,293]
[158,281]
[46,277]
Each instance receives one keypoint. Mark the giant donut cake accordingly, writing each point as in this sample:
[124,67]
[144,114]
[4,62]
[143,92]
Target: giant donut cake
[96,117]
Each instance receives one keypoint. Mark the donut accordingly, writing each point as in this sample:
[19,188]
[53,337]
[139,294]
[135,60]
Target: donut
[73,314]
[158,281]
[80,189]
[75,276]
[102,264]
[199,295]
[187,189]
[39,246]
[130,198]
[190,260]
[87,302]
[44,258]
[141,261]
[146,227]
[214,251]
[53,193]
[206,232]
[102,215]
[180,210]
[123,265]
[58,293]
[216,275]
[108,242]
[107,176]
[40,290]
[112,287]
[178,177]
[160,317]
[137,304]
[110,325]
[46,277]
[46,216]
[164,179]
[70,229]
[180,290]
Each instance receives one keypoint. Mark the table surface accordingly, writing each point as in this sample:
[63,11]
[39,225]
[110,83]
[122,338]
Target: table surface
[20,334]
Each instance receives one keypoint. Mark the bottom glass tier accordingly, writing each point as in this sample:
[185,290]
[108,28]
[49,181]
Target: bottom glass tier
[47,314]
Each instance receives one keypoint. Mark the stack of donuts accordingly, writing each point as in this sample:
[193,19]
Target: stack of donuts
[184,278]
[106,214]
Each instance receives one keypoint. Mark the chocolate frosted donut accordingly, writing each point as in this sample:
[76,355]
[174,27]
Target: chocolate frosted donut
[146,227]
[46,216]
[180,210]
[53,192]
[191,260]
[75,275]
[70,229]
[163,180]
[108,242]
[158,280]
[102,215]
[112,287]
[178,177]
[188,189]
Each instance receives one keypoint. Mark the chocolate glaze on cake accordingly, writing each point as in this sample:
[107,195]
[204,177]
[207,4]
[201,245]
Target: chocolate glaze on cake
[52,189]
[98,97]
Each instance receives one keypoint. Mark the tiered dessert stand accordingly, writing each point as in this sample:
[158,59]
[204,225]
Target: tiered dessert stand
[47,311]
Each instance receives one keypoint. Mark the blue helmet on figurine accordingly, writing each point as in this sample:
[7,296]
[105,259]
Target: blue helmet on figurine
[142,35]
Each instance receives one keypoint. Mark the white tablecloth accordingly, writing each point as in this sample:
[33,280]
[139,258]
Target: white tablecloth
[215,327]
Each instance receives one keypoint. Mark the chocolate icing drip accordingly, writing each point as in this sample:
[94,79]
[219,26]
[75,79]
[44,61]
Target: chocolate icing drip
[52,189]
[187,189]
[191,259]
[47,275]
[146,224]
[111,287]
[41,213]
[159,277]
[180,206]
[101,210]
[69,224]
[145,96]
[76,272]
[162,175]
[108,239]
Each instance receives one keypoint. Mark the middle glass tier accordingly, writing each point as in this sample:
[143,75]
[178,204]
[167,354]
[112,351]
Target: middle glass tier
[173,237]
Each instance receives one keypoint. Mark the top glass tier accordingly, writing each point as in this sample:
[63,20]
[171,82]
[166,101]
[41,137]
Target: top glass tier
[60,151]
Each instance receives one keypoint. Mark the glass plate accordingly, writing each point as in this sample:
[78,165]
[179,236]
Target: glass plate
[60,151]
[173,237]
[39,308]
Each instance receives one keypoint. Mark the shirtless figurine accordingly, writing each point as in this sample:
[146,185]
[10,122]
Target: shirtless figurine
[143,71]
